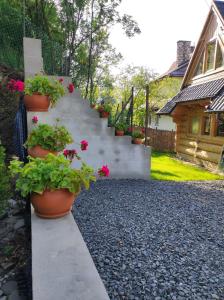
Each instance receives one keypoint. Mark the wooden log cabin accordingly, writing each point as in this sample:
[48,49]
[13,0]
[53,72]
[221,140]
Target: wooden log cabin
[198,109]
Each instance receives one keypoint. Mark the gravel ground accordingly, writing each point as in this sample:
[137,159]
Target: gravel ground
[156,240]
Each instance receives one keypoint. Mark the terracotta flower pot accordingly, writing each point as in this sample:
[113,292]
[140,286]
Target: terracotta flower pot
[92,105]
[53,204]
[36,102]
[104,114]
[119,132]
[38,151]
[137,141]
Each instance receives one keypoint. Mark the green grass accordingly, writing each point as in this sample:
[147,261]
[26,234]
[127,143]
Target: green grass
[166,167]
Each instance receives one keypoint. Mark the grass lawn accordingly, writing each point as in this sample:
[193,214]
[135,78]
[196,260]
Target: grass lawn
[166,167]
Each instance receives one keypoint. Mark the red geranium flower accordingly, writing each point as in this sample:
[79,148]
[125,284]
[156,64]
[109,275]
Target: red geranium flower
[84,145]
[104,171]
[71,88]
[35,119]
[61,80]
[19,86]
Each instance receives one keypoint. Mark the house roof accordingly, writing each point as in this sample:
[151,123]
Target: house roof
[213,90]
[220,6]
[175,71]
[167,108]
[217,104]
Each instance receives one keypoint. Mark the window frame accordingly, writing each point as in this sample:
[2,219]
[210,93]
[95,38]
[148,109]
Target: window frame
[204,124]
[204,54]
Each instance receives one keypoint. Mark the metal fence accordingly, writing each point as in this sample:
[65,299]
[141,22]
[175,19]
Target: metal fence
[11,47]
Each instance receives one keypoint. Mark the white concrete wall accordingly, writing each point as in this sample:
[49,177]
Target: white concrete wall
[124,159]
[165,123]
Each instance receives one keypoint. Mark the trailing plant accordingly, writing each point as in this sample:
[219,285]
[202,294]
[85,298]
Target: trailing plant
[137,135]
[53,138]
[5,191]
[52,173]
[121,126]
[44,86]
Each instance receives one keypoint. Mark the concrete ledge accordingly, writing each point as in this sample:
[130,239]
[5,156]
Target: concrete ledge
[62,267]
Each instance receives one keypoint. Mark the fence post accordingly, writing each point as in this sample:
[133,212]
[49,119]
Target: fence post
[132,106]
[146,113]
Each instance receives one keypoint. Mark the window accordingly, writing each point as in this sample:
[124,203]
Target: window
[219,57]
[220,124]
[206,125]
[195,122]
[211,59]
[199,69]
[210,56]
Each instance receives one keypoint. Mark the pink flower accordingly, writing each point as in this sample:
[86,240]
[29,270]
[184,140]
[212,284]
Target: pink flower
[35,119]
[19,86]
[61,80]
[71,88]
[65,152]
[84,145]
[104,171]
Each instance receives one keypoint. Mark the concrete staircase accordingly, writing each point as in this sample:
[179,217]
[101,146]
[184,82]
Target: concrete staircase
[124,159]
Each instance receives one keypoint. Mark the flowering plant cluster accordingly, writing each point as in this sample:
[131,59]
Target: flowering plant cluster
[11,86]
[53,138]
[42,85]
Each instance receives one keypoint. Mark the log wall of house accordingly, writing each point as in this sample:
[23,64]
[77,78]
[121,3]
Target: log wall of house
[201,149]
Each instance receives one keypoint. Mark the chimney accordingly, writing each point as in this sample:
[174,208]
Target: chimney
[184,50]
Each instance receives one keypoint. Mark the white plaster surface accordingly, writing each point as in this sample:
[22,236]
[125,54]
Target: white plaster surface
[62,268]
[165,123]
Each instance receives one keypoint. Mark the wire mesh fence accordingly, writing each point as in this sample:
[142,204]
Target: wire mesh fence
[11,47]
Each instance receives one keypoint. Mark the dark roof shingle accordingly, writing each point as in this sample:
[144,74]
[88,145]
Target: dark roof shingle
[213,90]
[167,108]
[205,90]
[220,6]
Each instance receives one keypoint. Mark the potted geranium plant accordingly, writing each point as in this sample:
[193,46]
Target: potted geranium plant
[46,139]
[137,137]
[41,91]
[104,110]
[51,182]
[120,129]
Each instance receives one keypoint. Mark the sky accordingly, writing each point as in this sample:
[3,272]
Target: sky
[162,24]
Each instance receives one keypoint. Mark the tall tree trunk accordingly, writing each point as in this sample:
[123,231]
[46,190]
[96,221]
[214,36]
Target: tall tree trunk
[90,51]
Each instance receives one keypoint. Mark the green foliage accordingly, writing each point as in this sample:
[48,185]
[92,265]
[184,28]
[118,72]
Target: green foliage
[5,191]
[45,86]
[53,172]
[121,126]
[137,134]
[105,107]
[53,138]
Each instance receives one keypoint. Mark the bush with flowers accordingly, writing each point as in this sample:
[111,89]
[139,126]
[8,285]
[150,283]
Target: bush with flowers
[10,90]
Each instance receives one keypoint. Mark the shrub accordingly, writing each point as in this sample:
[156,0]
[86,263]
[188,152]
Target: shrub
[5,192]
[138,135]
[44,86]
[121,126]
[53,172]
[53,138]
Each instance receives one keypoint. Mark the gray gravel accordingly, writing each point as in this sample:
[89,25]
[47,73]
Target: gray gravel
[155,240]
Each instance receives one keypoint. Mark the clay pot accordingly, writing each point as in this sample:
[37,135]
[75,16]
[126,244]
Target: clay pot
[53,204]
[104,114]
[137,141]
[92,105]
[38,151]
[119,132]
[36,102]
